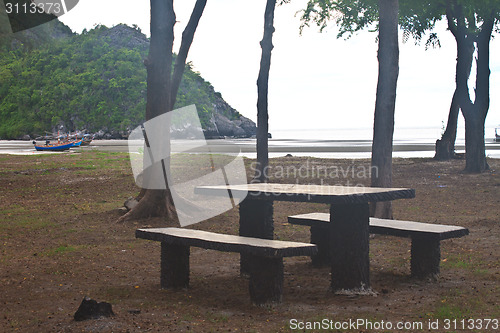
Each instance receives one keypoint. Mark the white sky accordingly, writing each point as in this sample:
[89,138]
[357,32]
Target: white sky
[316,80]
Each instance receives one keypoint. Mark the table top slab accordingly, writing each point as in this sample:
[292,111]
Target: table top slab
[311,193]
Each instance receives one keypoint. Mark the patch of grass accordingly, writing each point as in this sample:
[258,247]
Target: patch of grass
[398,261]
[450,311]
[481,272]
[24,223]
[118,293]
[187,317]
[461,261]
[13,209]
[59,250]
[217,318]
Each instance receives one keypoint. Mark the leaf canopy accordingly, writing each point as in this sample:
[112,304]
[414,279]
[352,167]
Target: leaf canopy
[416,17]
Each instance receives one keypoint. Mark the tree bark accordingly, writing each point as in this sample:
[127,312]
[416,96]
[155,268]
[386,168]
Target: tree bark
[256,216]
[187,40]
[475,155]
[161,95]
[475,113]
[383,128]
[445,147]
[262,94]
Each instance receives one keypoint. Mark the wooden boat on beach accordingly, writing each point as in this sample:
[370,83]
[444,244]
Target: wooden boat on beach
[58,146]
[87,139]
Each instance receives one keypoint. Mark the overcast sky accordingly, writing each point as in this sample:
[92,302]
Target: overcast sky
[316,80]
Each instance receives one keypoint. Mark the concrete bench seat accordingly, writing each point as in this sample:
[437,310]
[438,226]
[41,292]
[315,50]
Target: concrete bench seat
[266,258]
[425,245]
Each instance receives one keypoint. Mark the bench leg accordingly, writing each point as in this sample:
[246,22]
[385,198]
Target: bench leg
[349,242]
[174,266]
[425,258]
[266,279]
[256,220]
[320,236]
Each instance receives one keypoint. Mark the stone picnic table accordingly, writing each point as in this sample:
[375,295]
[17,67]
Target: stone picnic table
[349,220]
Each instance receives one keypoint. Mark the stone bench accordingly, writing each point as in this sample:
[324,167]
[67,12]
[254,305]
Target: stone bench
[266,258]
[425,244]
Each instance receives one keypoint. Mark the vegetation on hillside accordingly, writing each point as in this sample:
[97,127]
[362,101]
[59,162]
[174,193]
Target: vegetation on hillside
[95,80]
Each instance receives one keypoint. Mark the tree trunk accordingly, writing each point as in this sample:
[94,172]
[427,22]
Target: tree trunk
[475,156]
[262,94]
[256,216]
[475,113]
[445,147]
[161,95]
[383,128]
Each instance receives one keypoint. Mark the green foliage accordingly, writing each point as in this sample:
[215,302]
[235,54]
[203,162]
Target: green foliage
[416,18]
[90,81]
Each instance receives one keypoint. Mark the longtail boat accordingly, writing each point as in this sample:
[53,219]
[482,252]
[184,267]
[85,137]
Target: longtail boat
[87,139]
[59,146]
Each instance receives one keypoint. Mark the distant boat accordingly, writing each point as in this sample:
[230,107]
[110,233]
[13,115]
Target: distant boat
[87,139]
[59,146]
[497,135]
[77,143]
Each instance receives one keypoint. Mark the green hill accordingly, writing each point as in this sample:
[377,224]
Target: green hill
[94,81]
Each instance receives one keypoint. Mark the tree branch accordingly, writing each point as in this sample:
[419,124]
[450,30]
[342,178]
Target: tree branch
[450,14]
[187,40]
[483,67]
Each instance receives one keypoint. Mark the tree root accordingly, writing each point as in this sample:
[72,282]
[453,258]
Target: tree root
[154,203]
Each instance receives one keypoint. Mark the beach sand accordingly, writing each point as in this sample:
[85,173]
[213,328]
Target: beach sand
[278,147]
[59,242]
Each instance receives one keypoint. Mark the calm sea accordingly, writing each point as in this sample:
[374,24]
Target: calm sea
[356,143]
[326,143]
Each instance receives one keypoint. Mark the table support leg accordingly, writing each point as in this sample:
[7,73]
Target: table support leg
[174,266]
[349,235]
[321,237]
[256,220]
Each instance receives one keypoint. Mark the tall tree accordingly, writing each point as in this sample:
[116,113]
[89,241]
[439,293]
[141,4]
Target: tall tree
[256,216]
[445,147]
[385,105]
[464,30]
[417,17]
[472,22]
[262,93]
[163,85]
[352,16]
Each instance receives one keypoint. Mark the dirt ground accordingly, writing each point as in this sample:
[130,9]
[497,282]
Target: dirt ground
[59,242]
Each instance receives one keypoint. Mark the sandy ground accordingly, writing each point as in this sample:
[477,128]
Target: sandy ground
[59,242]
[277,147]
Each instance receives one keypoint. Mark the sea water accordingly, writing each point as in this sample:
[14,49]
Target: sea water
[324,143]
